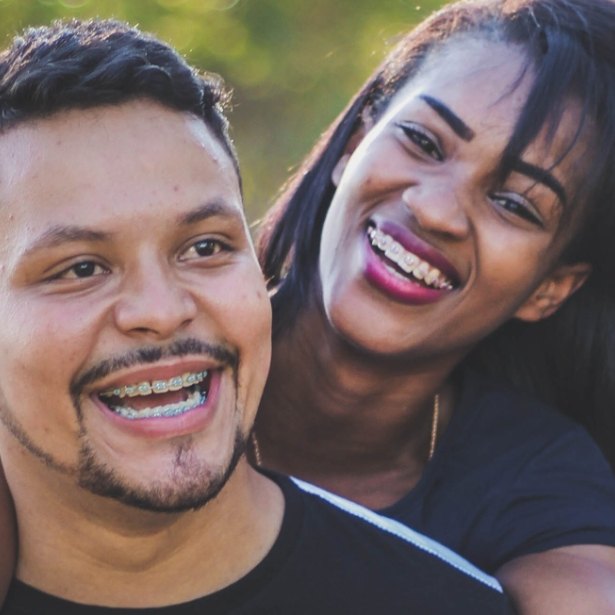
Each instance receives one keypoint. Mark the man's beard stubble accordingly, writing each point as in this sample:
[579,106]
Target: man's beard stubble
[193,484]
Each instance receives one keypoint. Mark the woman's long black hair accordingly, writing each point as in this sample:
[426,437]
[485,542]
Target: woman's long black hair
[569,358]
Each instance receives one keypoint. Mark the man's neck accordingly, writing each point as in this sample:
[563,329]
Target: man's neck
[148,559]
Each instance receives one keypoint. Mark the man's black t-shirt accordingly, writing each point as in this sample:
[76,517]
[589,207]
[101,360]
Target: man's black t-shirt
[331,557]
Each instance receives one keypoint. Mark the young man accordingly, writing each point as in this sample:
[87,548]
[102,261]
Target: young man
[134,339]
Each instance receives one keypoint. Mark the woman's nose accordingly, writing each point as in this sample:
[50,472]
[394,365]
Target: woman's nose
[438,209]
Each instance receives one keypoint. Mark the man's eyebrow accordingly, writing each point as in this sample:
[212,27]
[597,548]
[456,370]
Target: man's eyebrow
[542,176]
[209,210]
[59,234]
[459,127]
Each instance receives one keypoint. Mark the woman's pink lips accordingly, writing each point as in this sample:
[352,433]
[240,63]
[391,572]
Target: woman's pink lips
[412,243]
[380,275]
[192,421]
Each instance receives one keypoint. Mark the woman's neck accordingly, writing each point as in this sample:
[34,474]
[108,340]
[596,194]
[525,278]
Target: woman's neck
[353,423]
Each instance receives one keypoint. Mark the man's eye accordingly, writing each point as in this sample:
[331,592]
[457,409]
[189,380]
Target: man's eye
[422,140]
[517,206]
[203,248]
[81,270]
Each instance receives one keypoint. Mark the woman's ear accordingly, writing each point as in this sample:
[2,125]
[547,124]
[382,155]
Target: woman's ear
[553,291]
[359,134]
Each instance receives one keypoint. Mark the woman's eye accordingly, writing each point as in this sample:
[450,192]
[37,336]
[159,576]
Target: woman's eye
[517,206]
[422,140]
[81,270]
[203,248]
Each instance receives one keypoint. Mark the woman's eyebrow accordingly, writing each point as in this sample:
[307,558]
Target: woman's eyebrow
[459,127]
[542,176]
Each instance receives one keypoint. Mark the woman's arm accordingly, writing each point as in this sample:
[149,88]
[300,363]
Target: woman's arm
[8,537]
[574,580]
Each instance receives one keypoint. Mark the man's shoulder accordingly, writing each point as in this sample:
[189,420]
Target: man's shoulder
[352,522]
[371,557]
[331,556]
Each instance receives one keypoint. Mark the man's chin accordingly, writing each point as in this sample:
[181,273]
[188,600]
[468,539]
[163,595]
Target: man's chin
[192,484]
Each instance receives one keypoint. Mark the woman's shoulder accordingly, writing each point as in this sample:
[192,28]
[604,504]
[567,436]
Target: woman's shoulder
[497,411]
[500,431]
[511,476]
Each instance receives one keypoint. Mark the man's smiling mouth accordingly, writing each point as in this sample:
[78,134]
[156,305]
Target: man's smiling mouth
[158,398]
[407,264]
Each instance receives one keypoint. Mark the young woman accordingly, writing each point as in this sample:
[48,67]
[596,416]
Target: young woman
[449,242]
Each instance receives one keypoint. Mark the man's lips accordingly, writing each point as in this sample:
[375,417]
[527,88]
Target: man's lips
[165,371]
[146,394]
[167,415]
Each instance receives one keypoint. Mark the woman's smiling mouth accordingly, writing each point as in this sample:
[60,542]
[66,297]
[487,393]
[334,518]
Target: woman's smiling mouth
[407,263]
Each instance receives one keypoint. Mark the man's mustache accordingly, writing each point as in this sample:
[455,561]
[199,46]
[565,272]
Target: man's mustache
[152,354]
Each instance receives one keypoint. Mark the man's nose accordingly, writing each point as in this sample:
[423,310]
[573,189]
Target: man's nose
[153,303]
[438,209]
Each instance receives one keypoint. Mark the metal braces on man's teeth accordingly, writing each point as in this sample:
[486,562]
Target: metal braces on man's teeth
[407,261]
[195,399]
[157,386]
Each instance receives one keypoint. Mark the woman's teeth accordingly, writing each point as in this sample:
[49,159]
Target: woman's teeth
[407,261]
[156,386]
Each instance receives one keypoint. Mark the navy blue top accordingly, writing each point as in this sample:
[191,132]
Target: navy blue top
[511,477]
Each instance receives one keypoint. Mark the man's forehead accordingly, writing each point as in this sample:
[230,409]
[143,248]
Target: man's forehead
[137,163]
[72,147]
[109,122]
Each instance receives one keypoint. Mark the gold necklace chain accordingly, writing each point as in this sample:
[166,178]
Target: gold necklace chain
[257,451]
[435,417]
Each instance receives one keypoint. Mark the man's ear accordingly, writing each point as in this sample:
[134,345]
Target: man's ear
[553,291]
[359,134]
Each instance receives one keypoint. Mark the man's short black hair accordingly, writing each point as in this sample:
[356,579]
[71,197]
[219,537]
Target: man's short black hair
[83,64]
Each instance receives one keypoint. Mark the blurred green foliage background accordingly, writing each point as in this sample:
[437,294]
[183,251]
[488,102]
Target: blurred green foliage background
[292,64]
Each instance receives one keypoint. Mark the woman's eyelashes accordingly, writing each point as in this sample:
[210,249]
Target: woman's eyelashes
[512,203]
[518,206]
[422,139]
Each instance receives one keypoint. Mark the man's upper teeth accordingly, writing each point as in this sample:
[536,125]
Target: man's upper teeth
[407,261]
[156,386]
[194,399]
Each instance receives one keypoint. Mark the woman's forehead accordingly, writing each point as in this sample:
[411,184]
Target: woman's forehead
[485,83]
[463,64]
[478,86]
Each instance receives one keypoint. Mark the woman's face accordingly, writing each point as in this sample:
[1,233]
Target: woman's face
[423,252]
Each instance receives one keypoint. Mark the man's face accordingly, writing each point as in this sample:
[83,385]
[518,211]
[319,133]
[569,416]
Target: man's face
[135,335]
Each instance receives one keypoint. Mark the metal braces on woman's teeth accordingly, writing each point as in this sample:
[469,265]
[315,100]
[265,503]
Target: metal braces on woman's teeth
[175,383]
[407,261]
